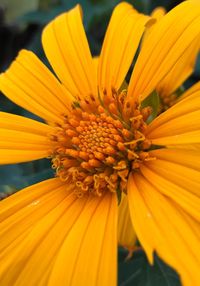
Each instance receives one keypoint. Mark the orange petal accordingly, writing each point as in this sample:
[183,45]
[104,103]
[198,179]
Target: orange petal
[184,198]
[126,233]
[96,64]
[183,107]
[181,175]
[120,44]
[157,14]
[179,125]
[180,72]
[168,41]
[194,147]
[31,85]
[162,226]
[22,139]
[191,91]
[67,50]
[188,157]
[89,249]
[58,231]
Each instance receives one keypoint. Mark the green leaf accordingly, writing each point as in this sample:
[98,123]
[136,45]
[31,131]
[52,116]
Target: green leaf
[130,271]
[15,8]
[153,101]
[45,4]
[138,272]
[119,195]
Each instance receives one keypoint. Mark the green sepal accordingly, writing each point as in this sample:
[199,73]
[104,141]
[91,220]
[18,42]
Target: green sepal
[76,104]
[153,101]
[119,195]
[124,86]
[156,147]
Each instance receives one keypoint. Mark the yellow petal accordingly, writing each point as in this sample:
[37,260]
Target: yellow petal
[20,123]
[180,124]
[27,198]
[22,139]
[167,43]
[187,200]
[163,226]
[157,14]
[17,156]
[120,44]
[183,107]
[126,233]
[186,138]
[73,240]
[191,91]
[21,215]
[66,47]
[139,215]
[96,64]
[181,175]
[31,85]
[185,156]
[194,147]
[180,72]
[89,250]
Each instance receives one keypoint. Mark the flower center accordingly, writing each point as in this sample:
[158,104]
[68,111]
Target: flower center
[97,151]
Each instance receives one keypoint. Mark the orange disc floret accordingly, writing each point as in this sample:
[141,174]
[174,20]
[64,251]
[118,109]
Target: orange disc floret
[102,147]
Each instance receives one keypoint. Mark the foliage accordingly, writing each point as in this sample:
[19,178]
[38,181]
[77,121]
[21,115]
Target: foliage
[138,272]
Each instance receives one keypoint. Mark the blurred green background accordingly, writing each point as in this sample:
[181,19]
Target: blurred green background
[21,23]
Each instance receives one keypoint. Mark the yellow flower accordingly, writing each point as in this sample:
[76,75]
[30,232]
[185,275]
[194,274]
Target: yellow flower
[170,88]
[63,231]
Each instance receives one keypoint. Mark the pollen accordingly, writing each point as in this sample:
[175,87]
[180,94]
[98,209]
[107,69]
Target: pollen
[96,151]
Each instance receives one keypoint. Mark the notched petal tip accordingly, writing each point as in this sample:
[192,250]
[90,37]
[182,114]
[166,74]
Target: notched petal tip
[165,47]
[149,23]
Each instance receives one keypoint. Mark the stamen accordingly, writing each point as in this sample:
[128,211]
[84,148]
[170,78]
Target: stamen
[96,151]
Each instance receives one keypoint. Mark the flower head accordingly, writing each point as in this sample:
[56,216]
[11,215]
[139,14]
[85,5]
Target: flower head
[104,150]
